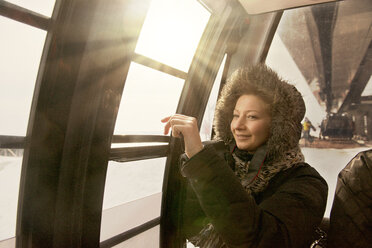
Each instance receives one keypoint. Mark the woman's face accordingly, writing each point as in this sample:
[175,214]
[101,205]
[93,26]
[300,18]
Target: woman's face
[251,122]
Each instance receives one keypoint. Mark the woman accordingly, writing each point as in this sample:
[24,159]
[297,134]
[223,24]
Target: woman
[250,188]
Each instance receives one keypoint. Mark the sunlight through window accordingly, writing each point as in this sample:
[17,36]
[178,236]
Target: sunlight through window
[172,31]
[148,96]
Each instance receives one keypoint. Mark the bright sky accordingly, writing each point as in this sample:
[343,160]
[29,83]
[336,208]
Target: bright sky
[172,31]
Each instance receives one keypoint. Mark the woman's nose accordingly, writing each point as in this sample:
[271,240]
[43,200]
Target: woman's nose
[239,123]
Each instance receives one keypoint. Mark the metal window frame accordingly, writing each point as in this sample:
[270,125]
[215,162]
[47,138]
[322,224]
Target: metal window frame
[122,237]
[24,15]
[156,65]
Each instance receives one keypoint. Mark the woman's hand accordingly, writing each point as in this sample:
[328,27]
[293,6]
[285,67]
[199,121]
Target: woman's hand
[185,126]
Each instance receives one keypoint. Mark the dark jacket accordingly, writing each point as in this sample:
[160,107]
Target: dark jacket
[285,214]
[351,215]
[281,204]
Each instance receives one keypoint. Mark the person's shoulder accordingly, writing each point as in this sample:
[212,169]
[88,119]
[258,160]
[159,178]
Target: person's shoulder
[217,145]
[301,170]
[304,169]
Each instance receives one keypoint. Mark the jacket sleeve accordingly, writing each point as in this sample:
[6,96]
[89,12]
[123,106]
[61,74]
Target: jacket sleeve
[297,205]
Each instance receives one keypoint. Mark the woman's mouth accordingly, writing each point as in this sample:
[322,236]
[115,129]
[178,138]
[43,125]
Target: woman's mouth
[242,136]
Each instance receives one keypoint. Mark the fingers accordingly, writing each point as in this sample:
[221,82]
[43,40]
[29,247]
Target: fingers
[179,124]
[171,121]
[186,127]
[167,125]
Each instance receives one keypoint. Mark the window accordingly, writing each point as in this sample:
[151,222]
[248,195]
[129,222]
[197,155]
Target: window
[207,124]
[368,89]
[20,48]
[310,49]
[172,31]
[164,51]
[19,65]
[148,96]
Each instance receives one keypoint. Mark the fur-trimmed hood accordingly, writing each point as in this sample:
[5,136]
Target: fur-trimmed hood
[286,105]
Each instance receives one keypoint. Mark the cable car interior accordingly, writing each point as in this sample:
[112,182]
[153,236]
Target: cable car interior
[84,85]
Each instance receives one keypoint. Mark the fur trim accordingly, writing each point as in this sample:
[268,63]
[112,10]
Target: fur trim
[286,106]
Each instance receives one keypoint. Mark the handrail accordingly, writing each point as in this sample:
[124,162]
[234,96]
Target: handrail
[130,233]
[12,142]
[139,138]
[127,154]
[18,142]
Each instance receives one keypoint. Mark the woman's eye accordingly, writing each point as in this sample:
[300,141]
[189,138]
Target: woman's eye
[252,117]
[235,116]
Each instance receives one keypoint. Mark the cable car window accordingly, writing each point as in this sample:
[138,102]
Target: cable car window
[206,126]
[172,31]
[19,61]
[130,181]
[148,96]
[321,49]
[131,186]
[44,7]
[20,48]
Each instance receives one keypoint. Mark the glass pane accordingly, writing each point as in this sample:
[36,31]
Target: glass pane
[280,60]
[122,218]
[148,96]
[297,56]
[368,89]
[206,127]
[44,7]
[10,172]
[172,31]
[132,180]
[19,64]
[130,189]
